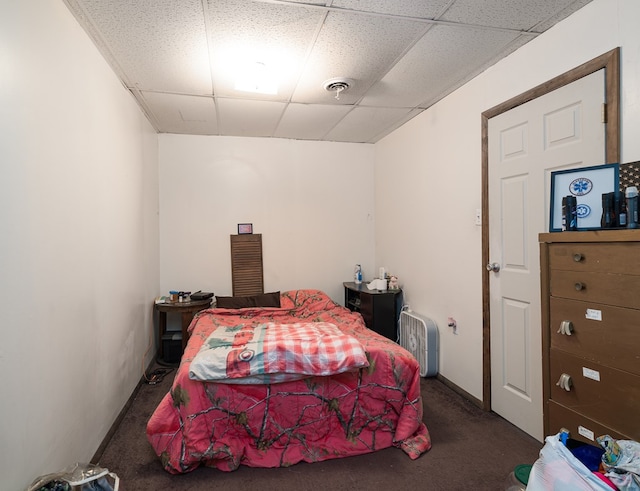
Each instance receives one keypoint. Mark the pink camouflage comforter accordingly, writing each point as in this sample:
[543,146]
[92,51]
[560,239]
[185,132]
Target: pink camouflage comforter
[312,419]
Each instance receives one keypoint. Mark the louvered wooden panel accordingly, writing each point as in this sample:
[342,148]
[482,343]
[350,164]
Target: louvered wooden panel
[246,265]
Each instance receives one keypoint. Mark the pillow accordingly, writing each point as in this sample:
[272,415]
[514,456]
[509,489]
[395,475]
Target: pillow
[263,300]
[272,353]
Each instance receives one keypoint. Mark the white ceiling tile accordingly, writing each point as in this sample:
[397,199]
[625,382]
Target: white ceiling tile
[240,117]
[427,67]
[310,121]
[356,47]
[410,8]
[162,47]
[182,114]
[520,14]
[364,124]
[560,15]
[317,3]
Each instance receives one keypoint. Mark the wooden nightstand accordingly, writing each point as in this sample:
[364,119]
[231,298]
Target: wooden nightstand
[186,309]
[379,309]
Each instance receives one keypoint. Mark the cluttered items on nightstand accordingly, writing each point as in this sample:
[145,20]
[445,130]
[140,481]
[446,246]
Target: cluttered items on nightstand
[383,282]
[176,296]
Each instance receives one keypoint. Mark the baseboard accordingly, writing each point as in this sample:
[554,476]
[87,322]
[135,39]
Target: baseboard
[460,391]
[105,441]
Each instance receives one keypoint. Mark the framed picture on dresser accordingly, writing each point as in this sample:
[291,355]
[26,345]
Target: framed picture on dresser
[587,185]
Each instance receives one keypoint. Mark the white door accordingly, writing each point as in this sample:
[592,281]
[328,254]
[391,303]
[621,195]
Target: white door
[560,130]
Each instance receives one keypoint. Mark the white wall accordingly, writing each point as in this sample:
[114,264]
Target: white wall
[79,242]
[428,176]
[311,201]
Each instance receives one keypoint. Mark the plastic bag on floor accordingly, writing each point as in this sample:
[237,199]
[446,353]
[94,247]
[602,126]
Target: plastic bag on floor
[77,477]
[622,462]
[558,469]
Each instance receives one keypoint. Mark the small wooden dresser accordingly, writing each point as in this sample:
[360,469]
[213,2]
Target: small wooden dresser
[591,333]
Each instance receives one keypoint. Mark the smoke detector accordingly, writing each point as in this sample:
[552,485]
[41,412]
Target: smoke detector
[337,85]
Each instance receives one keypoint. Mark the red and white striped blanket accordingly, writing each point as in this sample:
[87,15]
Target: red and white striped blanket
[270,353]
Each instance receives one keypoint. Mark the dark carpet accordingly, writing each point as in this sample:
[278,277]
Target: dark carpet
[472,450]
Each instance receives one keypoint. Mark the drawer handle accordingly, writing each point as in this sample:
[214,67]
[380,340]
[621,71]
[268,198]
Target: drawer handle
[566,328]
[577,257]
[564,382]
[580,286]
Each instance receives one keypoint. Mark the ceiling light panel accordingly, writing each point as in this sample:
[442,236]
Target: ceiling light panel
[357,47]
[162,48]
[276,36]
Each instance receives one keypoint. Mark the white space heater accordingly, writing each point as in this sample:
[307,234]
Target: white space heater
[419,336]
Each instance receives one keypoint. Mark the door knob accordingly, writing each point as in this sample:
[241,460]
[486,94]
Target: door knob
[495,267]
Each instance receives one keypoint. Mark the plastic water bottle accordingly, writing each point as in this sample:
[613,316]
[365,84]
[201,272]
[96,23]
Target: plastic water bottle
[357,277]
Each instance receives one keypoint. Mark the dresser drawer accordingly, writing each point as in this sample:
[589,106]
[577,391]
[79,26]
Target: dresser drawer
[620,257]
[606,395]
[580,427]
[614,340]
[611,289]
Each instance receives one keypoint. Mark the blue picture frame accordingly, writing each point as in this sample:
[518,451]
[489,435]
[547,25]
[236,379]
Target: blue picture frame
[587,184]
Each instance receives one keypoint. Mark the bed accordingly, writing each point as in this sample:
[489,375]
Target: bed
[276,418]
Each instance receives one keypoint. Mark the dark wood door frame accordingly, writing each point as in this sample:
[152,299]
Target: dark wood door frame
[610,61]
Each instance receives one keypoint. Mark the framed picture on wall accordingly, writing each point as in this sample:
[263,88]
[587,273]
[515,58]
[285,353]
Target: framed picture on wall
[587,184]
[245,228]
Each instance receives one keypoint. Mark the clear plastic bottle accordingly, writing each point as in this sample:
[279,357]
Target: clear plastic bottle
[513,484]
[517,480]
[357,275]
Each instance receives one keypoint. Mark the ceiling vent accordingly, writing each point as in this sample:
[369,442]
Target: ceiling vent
[338,85]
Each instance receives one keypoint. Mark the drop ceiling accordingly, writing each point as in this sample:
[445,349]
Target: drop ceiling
[179,58]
